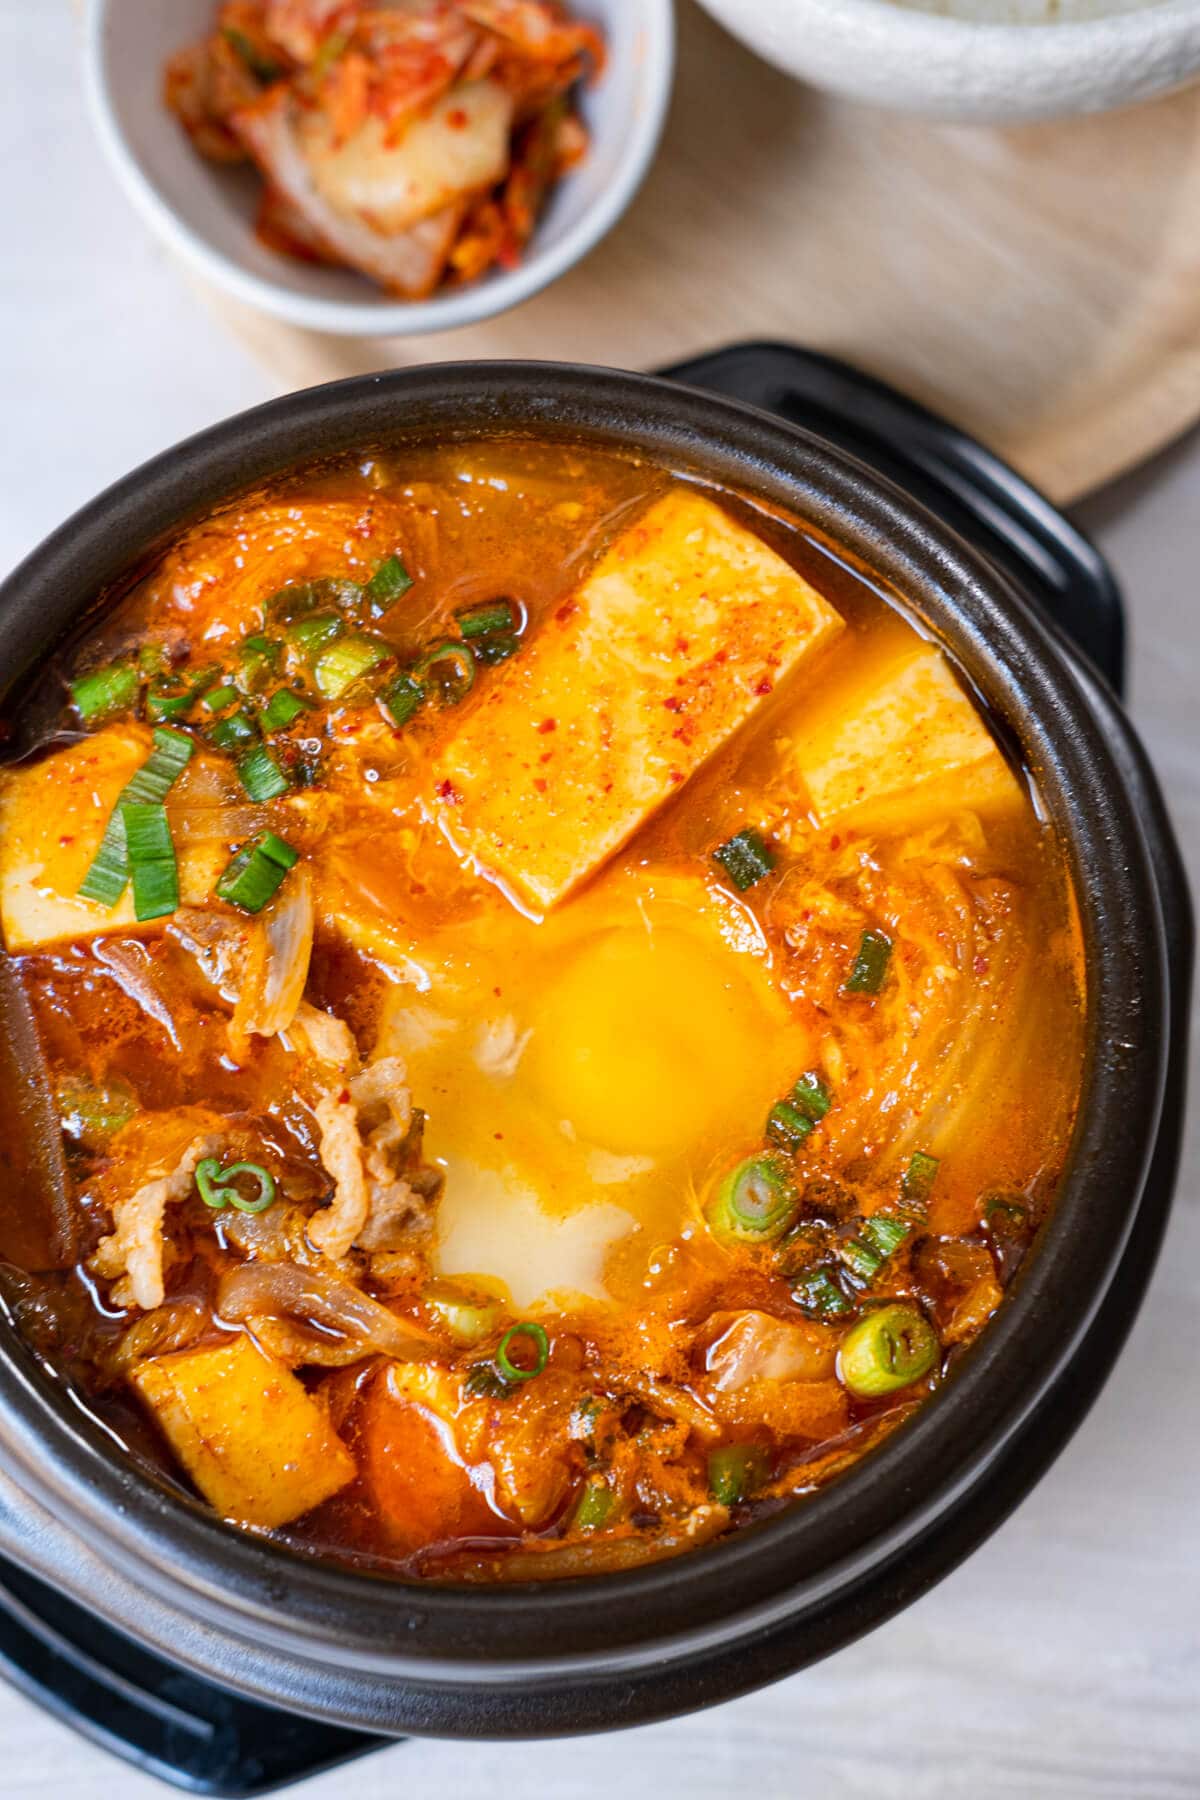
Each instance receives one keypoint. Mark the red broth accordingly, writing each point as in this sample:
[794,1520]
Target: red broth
[431,1226]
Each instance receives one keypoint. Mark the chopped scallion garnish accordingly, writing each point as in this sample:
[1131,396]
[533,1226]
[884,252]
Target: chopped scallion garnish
[594,1506]
[235,732]
[209,1173]
[218,698]
[257,661]
[402,698]
[916,1183]
[449,667]
[889,1349]
[745,858]
[488,651]
[735,1471]
[151,857]
[282,710]
[105,692]
[787,1126]
[390,582]
[344,663]
[256,872]
[262,775]
[310,634]
[870,963]
[483,621]
[106,878]
[818,1294]
[530,1333]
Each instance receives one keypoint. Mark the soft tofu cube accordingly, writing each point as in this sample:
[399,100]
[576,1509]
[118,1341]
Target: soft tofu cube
[907,749]
[52,816]
[255,1442]
[673,641]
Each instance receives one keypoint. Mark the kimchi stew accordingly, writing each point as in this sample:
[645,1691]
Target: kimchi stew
[415,142]
[541,1016]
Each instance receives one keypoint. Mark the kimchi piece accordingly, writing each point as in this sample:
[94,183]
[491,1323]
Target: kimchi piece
[416,143]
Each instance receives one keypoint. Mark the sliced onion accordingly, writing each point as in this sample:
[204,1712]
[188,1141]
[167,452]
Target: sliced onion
[276,970]
[337,1322]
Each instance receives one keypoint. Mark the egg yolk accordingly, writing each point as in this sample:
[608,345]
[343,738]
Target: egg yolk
[647,1042]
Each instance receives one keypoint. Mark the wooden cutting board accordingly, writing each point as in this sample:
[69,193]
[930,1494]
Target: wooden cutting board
[1040,286]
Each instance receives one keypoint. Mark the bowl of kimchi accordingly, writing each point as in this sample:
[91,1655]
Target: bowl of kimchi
[388,169]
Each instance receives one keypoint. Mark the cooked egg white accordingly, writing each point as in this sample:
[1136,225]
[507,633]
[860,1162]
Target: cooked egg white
[583,1076]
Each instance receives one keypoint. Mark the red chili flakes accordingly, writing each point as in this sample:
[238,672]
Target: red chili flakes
[672,703]
[676,777]
[548,725]
[835,842]
[980,965]
[344,1097]
[764,686]
[682,645]
[539,784]
[64,841]
[446,790]
[566,611]
[458,119]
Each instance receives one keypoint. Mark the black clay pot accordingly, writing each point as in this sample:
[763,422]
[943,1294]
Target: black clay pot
[581,1656]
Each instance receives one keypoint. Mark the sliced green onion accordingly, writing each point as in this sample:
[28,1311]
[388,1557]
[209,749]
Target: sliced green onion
[1006,1216]
[310,635]
[489,651]
[484,1381]
[301,597]
[594,1506]
[261,774]
[467,1316]
[482,621]
[92,1113]
[216,1189]
[745,858]
[151,857]
[870,963]
[818,1295]
[916,1184]
[152,659]
[254,875]
[878,1238]
[282,710]
[345,662]
[105,692]
[787,1126]
[218,698]
[390,582]
[147,834]
[534,1334]
[173,751]
[166,700]
[812,1096]
[754,1203]
[106,878]
[235,732]
[403,698]
[263,67]
[735,1471]
[889,1349]
[258,658]
[450,668]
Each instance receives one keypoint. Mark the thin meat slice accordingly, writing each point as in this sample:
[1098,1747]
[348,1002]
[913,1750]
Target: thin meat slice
[410,262]
[134,1252]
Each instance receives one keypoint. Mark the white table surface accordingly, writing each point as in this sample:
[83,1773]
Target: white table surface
[1064,1658]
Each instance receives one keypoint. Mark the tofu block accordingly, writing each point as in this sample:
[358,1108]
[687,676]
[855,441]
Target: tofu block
[670,645]
[52,816]
[257,1445]
[905,751]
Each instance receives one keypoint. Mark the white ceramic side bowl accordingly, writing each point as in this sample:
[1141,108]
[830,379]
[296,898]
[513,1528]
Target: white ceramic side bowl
[980,61]
[206,212]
